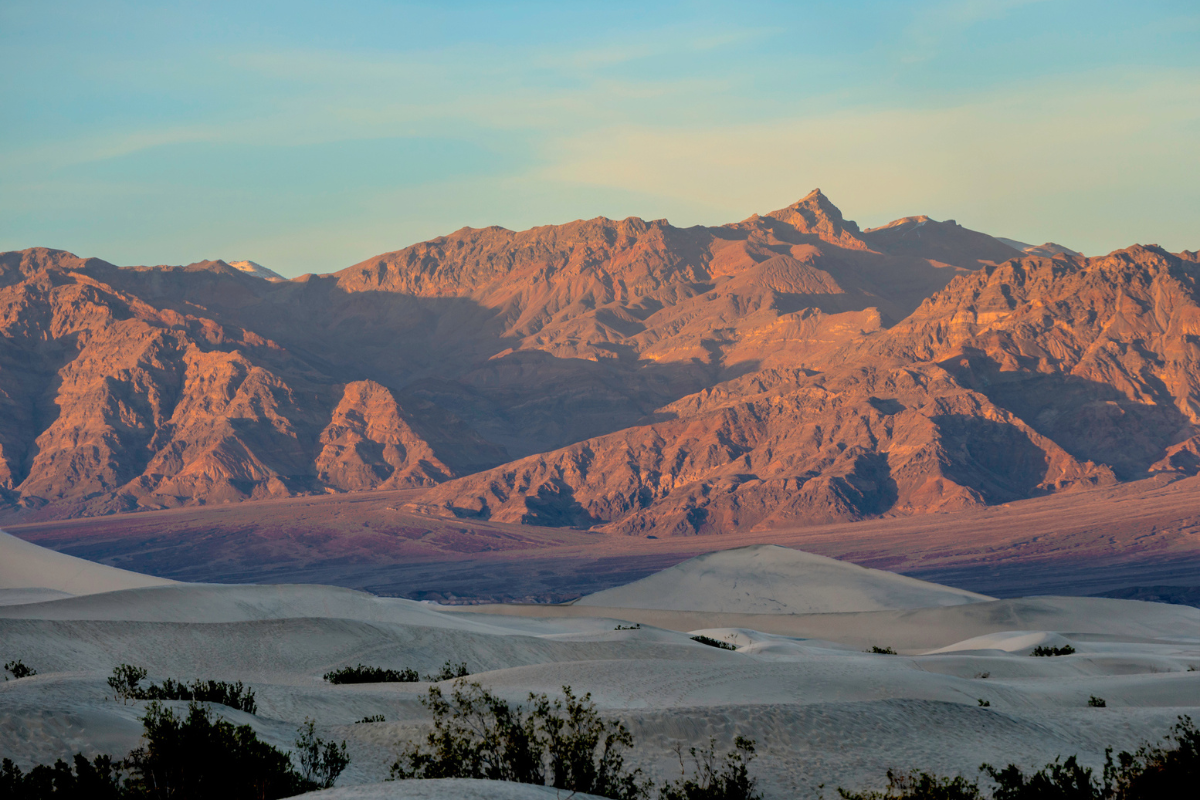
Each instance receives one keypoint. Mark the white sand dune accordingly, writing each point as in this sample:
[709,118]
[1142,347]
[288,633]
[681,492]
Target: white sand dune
[821,709]
[26,566]
[768,579]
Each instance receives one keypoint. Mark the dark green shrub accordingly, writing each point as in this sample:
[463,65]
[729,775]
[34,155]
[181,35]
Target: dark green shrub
[199,757]
[1043,651]
[320,761]
[449,672]
[124,682]
[562,743]
[1097,702]
[716,780]
[234,695]
[193,757]
[98,779]
[126,679]
[711,642]
[984,703]
[365,674]
[1152,773]
[18,669]
[1058,781]
[1159,772]
[475,735]
[882,651]
[372,718]
[919,786]
[584,751]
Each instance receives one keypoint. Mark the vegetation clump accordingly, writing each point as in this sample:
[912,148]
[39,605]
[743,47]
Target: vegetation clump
[449,672]
[711,642]
[1044,651]
[99,778]
[919,786]
[1097,702]
[18,670]
[637,626]
[882,651]
[1150,773]
[185,757]
[126,685]
[364,674]
[714,779]
[372,718]
[320,761]
[561,742]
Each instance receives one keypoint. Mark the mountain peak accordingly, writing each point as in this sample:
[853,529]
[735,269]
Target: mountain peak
[257,270]
[815,214]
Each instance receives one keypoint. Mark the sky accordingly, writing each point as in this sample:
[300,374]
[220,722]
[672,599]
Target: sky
[309,136]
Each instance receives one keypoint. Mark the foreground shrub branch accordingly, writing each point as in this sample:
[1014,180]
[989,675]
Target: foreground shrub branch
[561,742]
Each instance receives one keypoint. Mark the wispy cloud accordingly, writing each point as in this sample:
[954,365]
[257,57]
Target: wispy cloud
[932,26]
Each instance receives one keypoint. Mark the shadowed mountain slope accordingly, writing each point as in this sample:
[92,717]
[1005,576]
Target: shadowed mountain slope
[627,375]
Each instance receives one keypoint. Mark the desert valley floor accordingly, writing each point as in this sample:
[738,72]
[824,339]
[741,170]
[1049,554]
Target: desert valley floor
[821,709]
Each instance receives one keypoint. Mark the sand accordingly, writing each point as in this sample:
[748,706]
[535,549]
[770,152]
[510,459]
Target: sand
[26,566]
[768,579]
[820,709]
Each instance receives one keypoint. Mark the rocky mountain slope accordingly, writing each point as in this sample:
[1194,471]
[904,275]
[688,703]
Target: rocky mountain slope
[625,375]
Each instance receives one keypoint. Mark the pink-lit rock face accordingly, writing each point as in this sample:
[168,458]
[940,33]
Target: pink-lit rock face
[629,376]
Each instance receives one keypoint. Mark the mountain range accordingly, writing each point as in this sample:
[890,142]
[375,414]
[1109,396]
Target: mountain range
[629,377]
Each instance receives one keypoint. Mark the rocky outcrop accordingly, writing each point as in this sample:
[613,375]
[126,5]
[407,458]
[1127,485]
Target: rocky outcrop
[113,404]
[370,445]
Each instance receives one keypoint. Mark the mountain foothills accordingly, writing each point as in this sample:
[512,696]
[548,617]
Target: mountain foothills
[626,376]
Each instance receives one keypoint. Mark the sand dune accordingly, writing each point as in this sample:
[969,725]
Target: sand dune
[767,579]
[27,566]
[821,709]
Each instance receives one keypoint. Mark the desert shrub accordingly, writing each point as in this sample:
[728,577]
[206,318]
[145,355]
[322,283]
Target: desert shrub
[561,742]
[1043,651]
[583,750]
[1158,772]
[98,779]
[475,735]
[711,642]
[192,757]
[1065,780]
[637,626]
[126,685]
[984,703]
[882,651]
[919,786]
[372,718]
[1151,773]
[234,695]
[124,682]
[715,779]
[320,761]
[18,669]
[449,672]
[365,674]
[1097,702]
[199,756]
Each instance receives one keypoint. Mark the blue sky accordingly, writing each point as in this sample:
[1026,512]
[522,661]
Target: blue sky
[308,136]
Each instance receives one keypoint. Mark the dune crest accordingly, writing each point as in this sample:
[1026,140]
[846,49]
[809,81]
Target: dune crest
[25,567]
[768,579]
